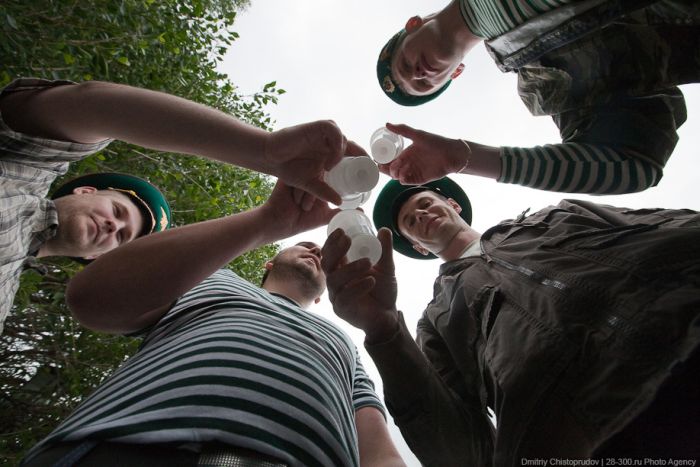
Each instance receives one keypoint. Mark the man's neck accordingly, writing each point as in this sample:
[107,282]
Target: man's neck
[456,28]
[458,244]
[288,290]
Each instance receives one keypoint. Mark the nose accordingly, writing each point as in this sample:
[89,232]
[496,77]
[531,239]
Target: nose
[316,250]
[419,72]
[109,226]
[112,225]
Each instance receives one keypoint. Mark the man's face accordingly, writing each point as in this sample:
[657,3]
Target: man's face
[93,222]
[302,261]
[425,59]
[429,221]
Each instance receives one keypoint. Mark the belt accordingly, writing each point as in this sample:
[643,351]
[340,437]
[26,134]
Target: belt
[106,454]
[223,456]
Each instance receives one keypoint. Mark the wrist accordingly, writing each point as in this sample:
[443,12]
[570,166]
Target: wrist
[380,334]
[272,225]
[465,151]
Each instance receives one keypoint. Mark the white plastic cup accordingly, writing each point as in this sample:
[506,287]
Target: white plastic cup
[354,202]
[385,145]
[353,178]
[358,227]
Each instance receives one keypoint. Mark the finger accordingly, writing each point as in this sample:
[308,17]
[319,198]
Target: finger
[336,142]
[307,202]
[385,265]
[347,274]
[404,130]
[298,194]
[395,168]
[408,175]
[354,149]
[334,250]
[322,190]
[354,290]
[385,168]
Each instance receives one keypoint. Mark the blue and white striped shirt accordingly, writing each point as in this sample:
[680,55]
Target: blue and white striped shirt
[234,364]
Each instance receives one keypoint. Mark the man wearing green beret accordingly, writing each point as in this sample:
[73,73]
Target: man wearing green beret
[606,71]
[45,125]
[570,333]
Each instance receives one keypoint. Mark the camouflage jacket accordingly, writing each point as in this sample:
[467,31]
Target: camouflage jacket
[607,70]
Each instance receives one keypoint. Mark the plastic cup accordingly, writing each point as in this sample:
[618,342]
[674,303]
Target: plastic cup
[385,145]
[358,227]
[353,175]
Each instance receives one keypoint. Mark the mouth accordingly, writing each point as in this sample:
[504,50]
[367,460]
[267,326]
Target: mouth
[431,223]
[314,260]
[424,63]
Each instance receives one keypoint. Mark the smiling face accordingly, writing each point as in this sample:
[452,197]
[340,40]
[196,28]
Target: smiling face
[92,222]
[430,221]
[425,59]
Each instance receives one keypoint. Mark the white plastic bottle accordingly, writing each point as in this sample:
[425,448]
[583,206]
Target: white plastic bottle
[358,227]
[353,178]
[385,145]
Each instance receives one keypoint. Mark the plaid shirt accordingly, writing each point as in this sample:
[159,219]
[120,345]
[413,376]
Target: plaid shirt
[28,166]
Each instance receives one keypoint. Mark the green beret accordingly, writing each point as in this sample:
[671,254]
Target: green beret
[151,203]
[387,82]
[394,194]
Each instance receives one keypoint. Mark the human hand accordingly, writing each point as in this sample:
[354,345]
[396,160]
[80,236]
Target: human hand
[290,211]
[362,294]
[300,155]
[430,157]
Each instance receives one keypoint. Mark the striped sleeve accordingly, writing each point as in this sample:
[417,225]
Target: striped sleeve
[489,18]
[363,394]
[578,168]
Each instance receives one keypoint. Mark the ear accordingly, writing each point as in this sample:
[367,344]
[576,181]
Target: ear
[413,24]
[317,300]
[423,251]
[458,71]
[454,205]
[81,190]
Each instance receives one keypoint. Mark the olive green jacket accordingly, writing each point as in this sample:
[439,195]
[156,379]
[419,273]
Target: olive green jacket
[565,326]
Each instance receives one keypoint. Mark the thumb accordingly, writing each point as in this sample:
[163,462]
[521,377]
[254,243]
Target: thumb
[386,262]
[385,168]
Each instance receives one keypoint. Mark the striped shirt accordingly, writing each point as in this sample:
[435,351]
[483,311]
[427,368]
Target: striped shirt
[233,363]
[568,167]
[28,166]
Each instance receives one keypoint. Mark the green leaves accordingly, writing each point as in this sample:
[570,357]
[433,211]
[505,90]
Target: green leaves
[47,361]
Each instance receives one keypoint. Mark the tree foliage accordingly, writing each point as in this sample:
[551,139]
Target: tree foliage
[48,362]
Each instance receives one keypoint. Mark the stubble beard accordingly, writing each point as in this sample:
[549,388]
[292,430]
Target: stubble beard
[310,283]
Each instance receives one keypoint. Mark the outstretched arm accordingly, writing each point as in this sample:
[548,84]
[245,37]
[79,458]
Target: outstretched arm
[131,287]
[619,147]
[440,428]
[94,111]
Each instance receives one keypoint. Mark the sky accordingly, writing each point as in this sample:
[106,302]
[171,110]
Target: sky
[324,52]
